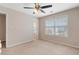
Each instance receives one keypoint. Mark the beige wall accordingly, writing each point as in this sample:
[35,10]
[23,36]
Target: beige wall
[18,27]
[73,28]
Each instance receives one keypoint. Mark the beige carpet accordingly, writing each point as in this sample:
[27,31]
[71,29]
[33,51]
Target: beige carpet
[39,47]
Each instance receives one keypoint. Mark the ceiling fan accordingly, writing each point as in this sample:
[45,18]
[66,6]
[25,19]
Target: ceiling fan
[37,8]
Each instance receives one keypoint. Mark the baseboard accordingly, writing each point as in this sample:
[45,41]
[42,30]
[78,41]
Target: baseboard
[15,44]
[62,43]
[71,45]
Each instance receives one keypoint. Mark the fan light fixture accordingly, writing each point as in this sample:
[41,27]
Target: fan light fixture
[36,11]
[38,8]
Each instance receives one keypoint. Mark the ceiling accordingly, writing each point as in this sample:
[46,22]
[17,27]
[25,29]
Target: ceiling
[57,7]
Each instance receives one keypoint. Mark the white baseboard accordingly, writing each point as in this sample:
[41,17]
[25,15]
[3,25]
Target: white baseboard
[74,46]
[63,43]
[15,44]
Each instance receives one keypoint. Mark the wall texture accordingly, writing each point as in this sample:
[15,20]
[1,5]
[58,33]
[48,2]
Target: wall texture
[18,27]
[73,28]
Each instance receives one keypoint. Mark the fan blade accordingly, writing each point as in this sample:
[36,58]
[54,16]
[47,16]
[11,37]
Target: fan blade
[28,8]
[42,11]
[47,6]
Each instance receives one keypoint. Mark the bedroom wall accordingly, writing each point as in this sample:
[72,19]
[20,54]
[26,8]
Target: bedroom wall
[73,28]
[18,27]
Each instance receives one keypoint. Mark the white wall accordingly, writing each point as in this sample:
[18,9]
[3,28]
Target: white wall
[18,27]
[73,28]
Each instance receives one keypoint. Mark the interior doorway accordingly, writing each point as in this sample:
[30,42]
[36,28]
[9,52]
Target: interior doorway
[2,31]
[35,29]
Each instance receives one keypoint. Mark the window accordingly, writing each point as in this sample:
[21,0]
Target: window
[57,26]
[49,27]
